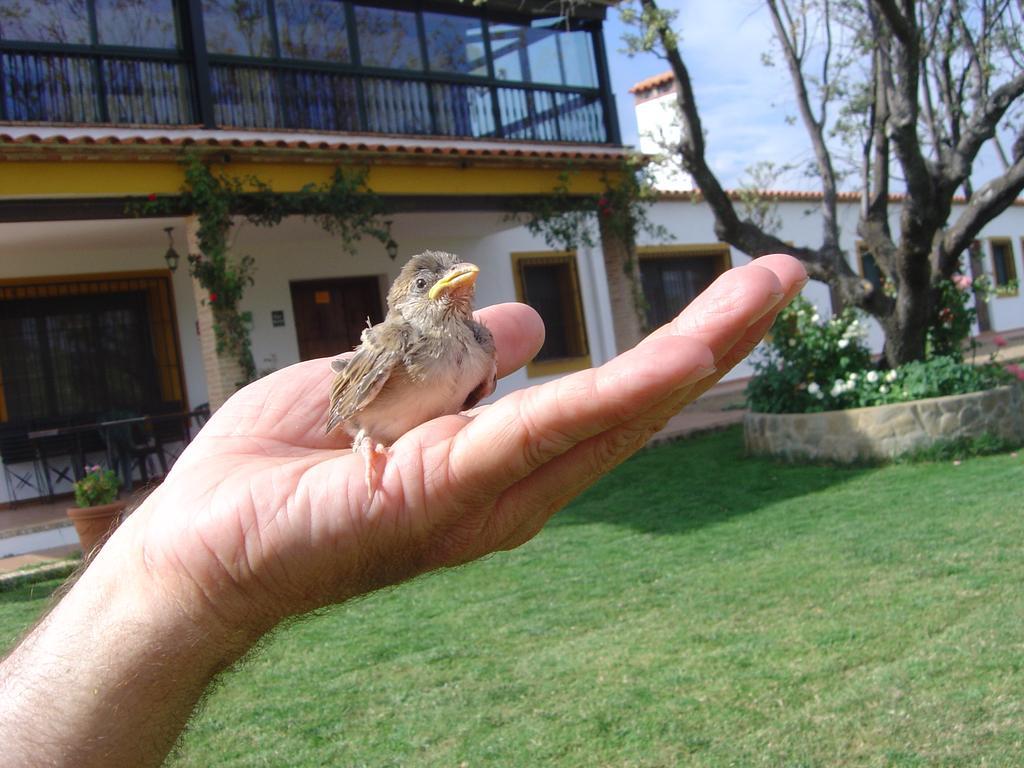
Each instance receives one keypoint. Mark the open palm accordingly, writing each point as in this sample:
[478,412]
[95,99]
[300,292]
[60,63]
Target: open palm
[268,515]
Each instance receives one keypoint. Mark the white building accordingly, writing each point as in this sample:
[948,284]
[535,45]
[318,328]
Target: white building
[691,225]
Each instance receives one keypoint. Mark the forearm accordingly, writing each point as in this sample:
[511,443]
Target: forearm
[112,674]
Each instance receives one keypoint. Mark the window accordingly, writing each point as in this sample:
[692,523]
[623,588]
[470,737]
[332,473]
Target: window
[1004,267]
[237,27]
[455,44]
[75,349]
[46,21]
[543,52]
[673,276]
[869,268]
[549,283]
[319,65]
[388,38]
[136,23]
[313,29]
[102,85]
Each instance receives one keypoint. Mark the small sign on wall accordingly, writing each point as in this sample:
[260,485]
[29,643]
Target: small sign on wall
[322,297]
[277,318]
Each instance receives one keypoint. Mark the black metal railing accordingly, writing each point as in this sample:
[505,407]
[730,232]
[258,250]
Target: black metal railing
[86,87]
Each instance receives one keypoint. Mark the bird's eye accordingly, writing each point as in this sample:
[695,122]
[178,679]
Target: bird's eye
[421,283]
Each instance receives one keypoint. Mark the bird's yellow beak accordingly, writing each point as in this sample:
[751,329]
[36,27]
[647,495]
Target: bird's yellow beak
[461,277]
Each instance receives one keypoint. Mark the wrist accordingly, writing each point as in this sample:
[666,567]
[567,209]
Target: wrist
[207,611]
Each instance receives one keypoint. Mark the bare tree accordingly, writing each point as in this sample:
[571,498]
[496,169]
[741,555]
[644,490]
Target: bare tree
[920,87]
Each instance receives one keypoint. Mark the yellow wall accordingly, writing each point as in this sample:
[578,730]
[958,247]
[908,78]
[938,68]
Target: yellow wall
[104,178]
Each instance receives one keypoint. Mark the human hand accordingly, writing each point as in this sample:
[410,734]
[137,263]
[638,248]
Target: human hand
[265,515]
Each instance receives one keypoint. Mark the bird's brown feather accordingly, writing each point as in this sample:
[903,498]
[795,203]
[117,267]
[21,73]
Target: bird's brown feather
[364,374]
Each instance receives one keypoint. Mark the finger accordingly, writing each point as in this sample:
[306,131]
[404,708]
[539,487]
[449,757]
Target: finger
[529,427]
[737,299]
[518,334]
[556,483]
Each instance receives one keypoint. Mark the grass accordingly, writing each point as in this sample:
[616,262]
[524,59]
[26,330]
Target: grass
[691,609]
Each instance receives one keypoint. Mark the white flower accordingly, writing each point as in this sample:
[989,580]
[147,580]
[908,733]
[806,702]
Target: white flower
[837,389]
[854,376]
[883,389]
[890,376]
[814,388]
[816,318]
[843,343]
[792,342]
[872,376]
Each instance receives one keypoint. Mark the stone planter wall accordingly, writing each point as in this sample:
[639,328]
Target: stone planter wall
[885,431]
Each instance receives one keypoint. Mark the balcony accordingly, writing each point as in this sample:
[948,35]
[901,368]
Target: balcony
[322,66]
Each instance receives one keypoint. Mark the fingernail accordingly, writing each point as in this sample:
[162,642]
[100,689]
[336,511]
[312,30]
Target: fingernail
[770,303]
[698,374]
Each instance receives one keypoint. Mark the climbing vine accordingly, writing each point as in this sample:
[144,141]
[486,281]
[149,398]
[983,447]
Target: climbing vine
[568,221]
[344,206]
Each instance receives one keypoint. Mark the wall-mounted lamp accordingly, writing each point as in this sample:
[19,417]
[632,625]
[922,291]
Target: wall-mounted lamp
[392,248]
[171,257]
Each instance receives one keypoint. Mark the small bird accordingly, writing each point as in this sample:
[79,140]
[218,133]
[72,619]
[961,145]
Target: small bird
[428,358]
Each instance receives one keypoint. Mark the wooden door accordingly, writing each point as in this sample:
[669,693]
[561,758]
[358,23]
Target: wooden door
[331,314]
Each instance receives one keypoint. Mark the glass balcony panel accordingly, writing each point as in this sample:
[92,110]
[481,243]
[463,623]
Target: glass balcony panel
[545,53]
[238,27]
[313,29]
[136,23]
[45,21]
[49,88]
[455,44]
[397,106]
[245,97]
[388,38]
[146,92]
[320,101]
[463,110]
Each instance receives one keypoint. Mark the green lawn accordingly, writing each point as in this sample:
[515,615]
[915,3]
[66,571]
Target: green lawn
[694,608]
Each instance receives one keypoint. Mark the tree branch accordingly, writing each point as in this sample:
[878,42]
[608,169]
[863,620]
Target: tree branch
[827,266]
[981,127]
[899,25]
[985,204]
[815,130]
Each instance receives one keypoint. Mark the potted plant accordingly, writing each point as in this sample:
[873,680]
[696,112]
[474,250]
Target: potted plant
[99,510]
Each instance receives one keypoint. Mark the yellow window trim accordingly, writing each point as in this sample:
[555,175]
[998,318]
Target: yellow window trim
[688,250]
[534,368]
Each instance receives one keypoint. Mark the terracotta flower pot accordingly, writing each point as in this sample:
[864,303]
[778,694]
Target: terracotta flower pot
[92,524]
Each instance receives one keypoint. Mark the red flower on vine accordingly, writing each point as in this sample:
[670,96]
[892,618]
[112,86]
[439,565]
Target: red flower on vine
[213,297]
[151,197]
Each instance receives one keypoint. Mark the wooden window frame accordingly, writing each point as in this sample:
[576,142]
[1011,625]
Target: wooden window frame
[46,286]
[1003,291]
[557,366]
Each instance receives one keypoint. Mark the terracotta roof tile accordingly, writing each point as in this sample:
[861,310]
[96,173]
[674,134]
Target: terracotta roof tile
[250,140]
[653,82]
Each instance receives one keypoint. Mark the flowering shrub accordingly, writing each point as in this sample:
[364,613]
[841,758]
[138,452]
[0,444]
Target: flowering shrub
[811,365]
[804,360]
[99,486]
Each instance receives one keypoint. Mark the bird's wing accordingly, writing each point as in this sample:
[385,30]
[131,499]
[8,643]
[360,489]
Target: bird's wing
[360,378]
[490,381]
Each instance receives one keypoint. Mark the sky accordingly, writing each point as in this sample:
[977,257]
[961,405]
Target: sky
[742,103]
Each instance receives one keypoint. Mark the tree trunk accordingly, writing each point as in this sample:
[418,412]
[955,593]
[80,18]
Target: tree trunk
[622,270]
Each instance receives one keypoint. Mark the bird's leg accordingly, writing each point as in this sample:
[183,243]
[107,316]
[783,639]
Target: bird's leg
[370,451]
